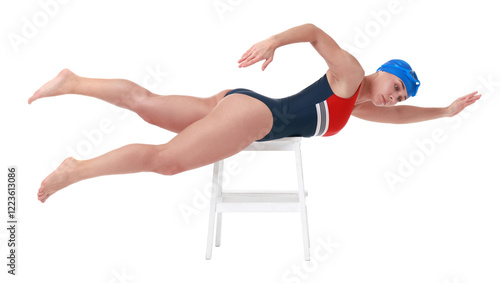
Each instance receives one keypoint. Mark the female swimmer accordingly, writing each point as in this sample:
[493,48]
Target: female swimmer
[213,128]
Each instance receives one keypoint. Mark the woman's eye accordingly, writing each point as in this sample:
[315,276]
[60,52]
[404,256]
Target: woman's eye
[399,99]
[396,87]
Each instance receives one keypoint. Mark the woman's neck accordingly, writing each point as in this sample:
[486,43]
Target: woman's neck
[365,90]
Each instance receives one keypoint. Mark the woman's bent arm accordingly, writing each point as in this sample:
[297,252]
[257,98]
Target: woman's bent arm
[340,63]
[264,50]
[321,41]
[345,71]
[337,59]
[302,33]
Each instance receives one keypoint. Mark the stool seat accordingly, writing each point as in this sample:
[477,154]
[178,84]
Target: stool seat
[259,200]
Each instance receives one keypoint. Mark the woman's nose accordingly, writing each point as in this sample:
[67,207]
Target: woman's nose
[392,100]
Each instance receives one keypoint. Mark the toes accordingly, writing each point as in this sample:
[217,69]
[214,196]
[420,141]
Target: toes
[43,198]
[34,97]
[41,191]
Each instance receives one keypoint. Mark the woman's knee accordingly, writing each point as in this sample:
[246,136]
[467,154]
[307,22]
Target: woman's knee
[135,97]
[165,164]
[168,170]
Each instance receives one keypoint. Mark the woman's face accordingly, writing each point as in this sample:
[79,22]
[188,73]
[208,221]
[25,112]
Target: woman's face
[388,90]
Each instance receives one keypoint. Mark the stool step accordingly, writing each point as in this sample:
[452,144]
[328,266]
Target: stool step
[258,201]
[257,207]
[257,193]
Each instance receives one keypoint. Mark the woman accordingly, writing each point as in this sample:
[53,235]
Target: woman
[214,128]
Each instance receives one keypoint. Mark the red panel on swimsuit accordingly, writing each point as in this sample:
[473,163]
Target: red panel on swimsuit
[339,111]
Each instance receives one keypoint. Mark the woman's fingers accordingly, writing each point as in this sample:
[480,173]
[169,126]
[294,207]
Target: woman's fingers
[468,100]
[262,50]
[469,96]
[266,63]
[472,94]
[466,96]
[461,103]
[250,53]
[251,61]
[474,99]
[247,61]
[245,55]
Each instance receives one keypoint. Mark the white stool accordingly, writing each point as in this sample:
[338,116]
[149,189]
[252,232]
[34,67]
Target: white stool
[259,201]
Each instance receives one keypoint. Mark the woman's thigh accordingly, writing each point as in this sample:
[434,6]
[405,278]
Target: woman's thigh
[236,122]
[176,112]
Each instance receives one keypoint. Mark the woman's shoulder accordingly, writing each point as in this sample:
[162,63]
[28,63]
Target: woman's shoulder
[346,77]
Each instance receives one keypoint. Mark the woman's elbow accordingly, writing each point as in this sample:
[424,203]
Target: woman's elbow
[313,31]
[310,25]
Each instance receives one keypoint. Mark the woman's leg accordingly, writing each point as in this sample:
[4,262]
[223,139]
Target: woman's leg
[235,123]
[171,112]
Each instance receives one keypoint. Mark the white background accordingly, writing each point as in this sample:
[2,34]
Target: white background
[440,225]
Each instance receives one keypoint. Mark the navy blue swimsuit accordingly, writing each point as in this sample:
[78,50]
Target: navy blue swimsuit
[314,111]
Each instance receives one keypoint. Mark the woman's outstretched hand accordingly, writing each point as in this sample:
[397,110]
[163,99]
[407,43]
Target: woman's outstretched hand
[458,105]
[263,50]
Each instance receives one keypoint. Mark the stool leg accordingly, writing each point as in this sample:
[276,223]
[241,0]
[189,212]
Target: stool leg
[218,231]
[302,201]
[213,206]
[219,197]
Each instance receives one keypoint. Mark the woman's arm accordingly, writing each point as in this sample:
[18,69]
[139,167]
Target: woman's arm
[265,49]
[405,114]
[345,70]
[337,59]
[303,33]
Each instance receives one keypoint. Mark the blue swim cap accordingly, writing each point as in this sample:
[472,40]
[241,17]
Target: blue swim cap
[402,70]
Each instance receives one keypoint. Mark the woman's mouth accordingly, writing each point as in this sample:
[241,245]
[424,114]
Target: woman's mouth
[383,98]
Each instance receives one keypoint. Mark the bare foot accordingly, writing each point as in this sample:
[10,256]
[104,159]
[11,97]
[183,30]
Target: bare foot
[59,179]
[58,85]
